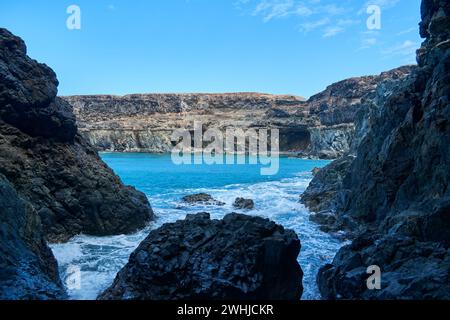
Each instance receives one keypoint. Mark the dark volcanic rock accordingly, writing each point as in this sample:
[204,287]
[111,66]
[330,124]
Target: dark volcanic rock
[28,268]
[27,94]
[239,257]
[201,198]
[398,186]
[70,187]
[342,101]
[321,192]
[241,203]
[410,269]
[50,165]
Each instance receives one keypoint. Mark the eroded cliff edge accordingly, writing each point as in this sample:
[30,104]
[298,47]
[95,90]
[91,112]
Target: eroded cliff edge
[321,127]
[394,193]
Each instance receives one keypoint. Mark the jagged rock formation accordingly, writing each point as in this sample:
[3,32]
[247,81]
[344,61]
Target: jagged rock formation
[239,257]
[50,165]
[323,195]
[28,268]
[321,127]
[398,188]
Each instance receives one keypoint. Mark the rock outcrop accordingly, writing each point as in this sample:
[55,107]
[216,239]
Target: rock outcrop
[28,269]
[50,165]
[242,203]
[201,198]
[321,127]
[397,186]
[239,257]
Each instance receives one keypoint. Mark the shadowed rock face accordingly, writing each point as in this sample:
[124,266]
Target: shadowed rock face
[50,165]
[321,127]
[397,187]
[28,268]
[27,94]
[239,257]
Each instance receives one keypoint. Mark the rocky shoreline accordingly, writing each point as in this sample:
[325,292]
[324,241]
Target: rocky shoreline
[389,189]
[392,193]
[53,186]
[53,183]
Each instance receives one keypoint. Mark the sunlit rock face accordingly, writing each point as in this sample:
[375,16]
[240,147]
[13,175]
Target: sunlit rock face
[322,126]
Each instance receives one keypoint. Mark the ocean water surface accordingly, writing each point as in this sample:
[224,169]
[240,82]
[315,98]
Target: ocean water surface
[276,197]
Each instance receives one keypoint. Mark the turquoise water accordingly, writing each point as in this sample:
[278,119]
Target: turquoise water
[276,197]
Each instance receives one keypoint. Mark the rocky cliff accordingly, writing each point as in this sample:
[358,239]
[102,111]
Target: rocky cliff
[49,164]
[239,257]
[397,186]
[28,268]
[321,127]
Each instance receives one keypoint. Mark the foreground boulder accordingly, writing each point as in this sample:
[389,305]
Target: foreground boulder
[239,257]
[50,165]
[28,268]
[242,203]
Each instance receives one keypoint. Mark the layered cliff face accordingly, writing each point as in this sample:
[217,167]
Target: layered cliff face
[397,186]
[50,165]
[321,127]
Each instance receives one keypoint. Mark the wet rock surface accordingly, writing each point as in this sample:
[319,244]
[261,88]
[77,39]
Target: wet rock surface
[321,192]
[201,198]
[242,203]
[28,269]
[239,257]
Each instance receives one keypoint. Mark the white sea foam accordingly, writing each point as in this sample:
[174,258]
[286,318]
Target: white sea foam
[100,258]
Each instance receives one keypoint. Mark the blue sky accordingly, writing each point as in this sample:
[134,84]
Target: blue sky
[274,46]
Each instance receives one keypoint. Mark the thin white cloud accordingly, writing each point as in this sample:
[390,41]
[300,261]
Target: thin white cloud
[403,32]
[332,31]
[383,4]
[406,50]
[313,25]
[332,10]
[347,22]
[274,9]
[367,43]
[325,17]
[313,14]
